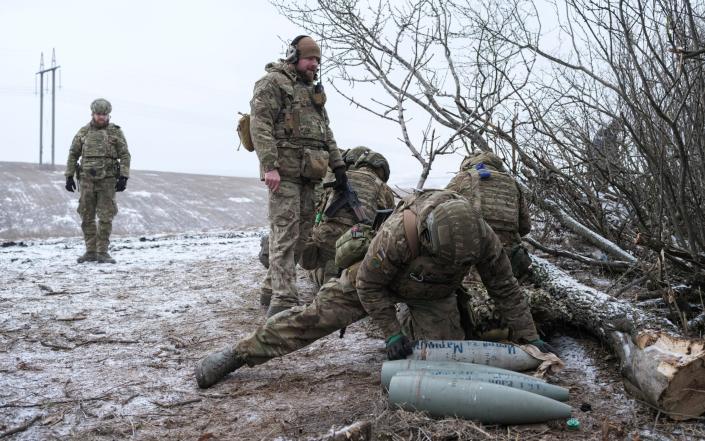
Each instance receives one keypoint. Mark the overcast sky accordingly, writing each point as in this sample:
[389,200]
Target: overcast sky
[176,72]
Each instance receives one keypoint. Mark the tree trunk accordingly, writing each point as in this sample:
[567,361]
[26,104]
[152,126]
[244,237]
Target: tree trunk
[659,365]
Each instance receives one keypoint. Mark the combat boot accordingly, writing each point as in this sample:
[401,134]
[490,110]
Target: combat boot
[217,365]
[273,310]
[88,256]
[105,258]
[265,296]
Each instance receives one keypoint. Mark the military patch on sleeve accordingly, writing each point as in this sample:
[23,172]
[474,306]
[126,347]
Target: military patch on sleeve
[378,258]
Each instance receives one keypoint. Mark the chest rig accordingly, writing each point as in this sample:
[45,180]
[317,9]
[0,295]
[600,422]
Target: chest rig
[99,153]
[301,121]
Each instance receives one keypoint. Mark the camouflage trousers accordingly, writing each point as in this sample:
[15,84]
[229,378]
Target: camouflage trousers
[336,306]
[318,254]
[290,221]
[97,199]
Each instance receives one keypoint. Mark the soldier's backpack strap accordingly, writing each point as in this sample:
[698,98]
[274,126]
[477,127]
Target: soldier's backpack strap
[411,233]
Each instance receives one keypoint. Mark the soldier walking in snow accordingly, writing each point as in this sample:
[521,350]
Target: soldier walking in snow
[104,169]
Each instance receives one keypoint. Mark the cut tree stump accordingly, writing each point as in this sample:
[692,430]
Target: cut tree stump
[659,365]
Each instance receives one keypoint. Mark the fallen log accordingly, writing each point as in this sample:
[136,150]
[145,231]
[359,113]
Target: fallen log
[658,364]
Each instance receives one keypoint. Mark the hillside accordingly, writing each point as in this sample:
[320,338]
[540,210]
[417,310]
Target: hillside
[35,204]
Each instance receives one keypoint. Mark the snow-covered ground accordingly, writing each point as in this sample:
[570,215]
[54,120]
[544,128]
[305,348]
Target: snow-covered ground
[99,351]
[35,204]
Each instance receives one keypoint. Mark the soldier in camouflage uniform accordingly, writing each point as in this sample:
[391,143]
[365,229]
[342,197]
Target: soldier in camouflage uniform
[295,146]
[104,169]
[483,180]
[419,257]
[368,172]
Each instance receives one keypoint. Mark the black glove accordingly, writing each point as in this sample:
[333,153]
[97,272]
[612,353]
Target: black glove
[399,346]
[70,184]
[543,346]
[341,179]
[121,184]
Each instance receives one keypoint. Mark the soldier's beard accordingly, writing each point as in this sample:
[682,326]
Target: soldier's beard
[101,124]
[308,75]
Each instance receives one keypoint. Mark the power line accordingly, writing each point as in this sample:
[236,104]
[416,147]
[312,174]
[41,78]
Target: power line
[41,73]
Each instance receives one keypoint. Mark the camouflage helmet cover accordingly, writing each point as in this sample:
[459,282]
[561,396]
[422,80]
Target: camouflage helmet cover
[351,156]
[487,158]
[363,156]
[448,231]
[102,106]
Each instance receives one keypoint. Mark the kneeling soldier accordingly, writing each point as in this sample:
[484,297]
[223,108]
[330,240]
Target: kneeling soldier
[419,257]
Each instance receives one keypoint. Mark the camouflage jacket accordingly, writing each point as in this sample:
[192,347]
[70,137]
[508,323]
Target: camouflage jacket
[284,120]
[103,150]
[390,274]
[501,201]
[374,194]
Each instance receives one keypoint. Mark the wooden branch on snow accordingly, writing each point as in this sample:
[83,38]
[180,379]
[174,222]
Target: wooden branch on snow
[581,230]
[21,428]
[360,431]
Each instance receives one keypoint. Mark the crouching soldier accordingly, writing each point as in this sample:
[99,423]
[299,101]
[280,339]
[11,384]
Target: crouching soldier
[483,180]
[368,172]
[419,257]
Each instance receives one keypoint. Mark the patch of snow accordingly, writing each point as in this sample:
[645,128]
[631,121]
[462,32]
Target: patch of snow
[141,194]
[62,219]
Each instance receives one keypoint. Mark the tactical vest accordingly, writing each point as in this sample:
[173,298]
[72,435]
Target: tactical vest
[99,153]
[300,121]
[425,277]
[368,186]
[499,196]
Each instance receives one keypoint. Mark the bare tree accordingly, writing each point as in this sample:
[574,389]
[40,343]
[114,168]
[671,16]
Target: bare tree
[424,61]
[618,121]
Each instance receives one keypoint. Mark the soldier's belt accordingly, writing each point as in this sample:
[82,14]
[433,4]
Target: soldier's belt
[301,144]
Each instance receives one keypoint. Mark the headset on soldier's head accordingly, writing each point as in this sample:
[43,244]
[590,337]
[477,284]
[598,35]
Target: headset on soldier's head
[292,52]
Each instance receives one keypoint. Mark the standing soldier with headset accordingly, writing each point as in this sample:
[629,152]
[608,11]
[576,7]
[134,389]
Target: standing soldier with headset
[295,146]
[104,169]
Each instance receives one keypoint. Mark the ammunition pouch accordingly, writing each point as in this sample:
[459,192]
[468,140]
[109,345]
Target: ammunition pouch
[290,158]
[314,164]
[353,244]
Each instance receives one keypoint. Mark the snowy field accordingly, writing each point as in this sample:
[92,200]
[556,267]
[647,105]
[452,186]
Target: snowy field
[99,351]
[35,204]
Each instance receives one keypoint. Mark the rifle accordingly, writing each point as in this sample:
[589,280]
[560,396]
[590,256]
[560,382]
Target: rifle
[380,217]
[348,197]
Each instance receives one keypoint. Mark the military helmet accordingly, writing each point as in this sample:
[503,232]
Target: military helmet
[363,156]
[480,156]
[448,231]
[351,156]
[102,106]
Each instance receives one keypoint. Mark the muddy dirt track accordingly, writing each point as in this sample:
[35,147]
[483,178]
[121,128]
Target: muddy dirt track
[107,352]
